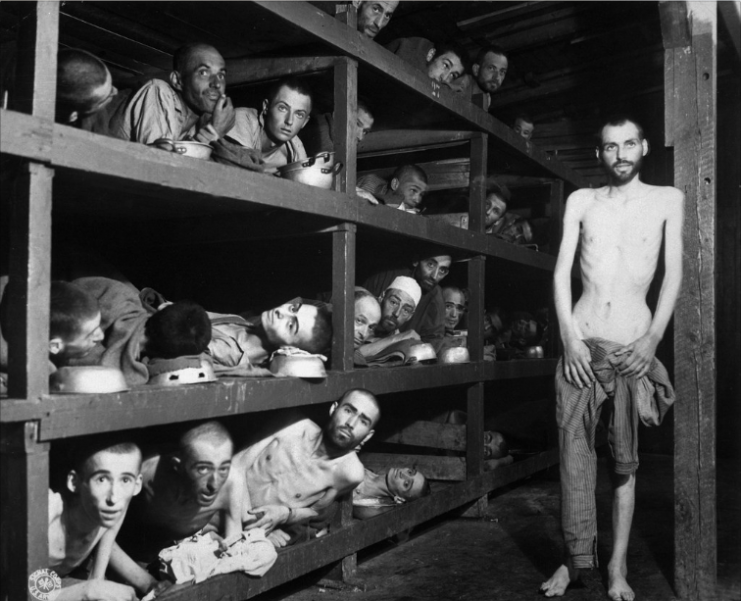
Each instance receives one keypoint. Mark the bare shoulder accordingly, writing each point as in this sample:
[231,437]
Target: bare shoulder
[580,200]
[353,471]
[667,194]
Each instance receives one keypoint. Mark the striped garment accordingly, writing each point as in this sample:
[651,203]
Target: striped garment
[577,414]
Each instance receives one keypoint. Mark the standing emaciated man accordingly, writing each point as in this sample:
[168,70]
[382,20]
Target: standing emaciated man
[609,340]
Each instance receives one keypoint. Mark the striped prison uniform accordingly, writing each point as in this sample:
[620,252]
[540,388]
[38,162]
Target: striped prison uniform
[577,415]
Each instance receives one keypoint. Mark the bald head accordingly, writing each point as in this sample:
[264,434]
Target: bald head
[212,433]
[84,85]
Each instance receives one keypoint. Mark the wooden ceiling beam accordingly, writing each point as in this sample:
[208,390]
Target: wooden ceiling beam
[496,17]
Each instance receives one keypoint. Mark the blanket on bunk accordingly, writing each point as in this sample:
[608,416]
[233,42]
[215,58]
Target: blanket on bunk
[123,319]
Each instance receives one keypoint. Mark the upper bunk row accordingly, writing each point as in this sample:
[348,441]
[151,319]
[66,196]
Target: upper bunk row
[139,171]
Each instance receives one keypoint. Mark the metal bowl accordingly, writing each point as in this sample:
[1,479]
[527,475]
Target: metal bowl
[298,366]
[88,379]
[422,352]
[455,354]
[534,352]
[185,375]
[316,171]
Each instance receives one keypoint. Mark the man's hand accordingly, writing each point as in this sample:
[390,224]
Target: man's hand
[223,117]
[359,192]
[638,356]
[279,538]
[105,590]
[268,517]
[577,368]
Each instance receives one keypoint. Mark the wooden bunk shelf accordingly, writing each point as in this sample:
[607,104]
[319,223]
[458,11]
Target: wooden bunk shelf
[179,185]
[306,557]
[62,416]
[353,44]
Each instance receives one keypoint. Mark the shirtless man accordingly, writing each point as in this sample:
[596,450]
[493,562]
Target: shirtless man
[620,227]
[301,469]
[86,517]
[182,492]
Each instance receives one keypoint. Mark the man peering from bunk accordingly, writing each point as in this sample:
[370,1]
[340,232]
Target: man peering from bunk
[134,334]
[398,304]
[379,493]
[429,316]
[374,15]
[296,473]
[524,126]
[367,316]
[273,131]
[496,207]
[74,325]
[86,516]
[85,91]
[610,338]
[404,191]
[182,491]
[455,308]
[443,62]
[242,346]
[191,105]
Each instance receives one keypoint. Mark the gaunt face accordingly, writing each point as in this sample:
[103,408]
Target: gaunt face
[445,68]
[352,421]
[524,128]
[202,80]
[491,72]
[397,308]
[286,115]
[290,324]
[367,316]
[495,208]
[374,16]
[622,151]
[411,187]
[88,335]
[205,468]
[430,272]
[364,124]
[405,482]
[455,307]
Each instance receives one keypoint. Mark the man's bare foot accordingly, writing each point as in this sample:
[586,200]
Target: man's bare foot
[558,583]
[618,588]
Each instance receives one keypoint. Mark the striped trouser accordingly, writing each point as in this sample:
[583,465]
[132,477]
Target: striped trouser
[578,414]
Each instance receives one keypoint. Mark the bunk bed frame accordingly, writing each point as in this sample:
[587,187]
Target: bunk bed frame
[32,418]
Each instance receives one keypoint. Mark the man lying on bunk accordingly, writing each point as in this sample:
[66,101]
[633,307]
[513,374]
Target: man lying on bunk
[496,207]
[366,318]
[443,62]
[379,493]
[182,491]
[428,318]
[398,305]
[191,105]
[135,335]
[74,325]
[86,96]
[242,346]
[404,191]
[374,15]
[296,473]
[85,517]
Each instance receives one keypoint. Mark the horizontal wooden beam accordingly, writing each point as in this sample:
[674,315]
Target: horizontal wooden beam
[434,467]
[394,140]
[422,433]
[247,70]
[62,416]
[308,557]
[352,43]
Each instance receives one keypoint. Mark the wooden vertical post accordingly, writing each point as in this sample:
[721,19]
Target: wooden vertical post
[690,77]
[347,14]
[344,119]
[343,296]
[24,508]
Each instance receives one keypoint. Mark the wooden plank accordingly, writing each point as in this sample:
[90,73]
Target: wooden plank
[675,29]
[305,558]
[377,142]
[477,191]
[36,71]
[345,123]
[62,416]
[247,70]
[421,433]
[434,467]
[30,274]
[694,134]
[24,508]
[518,11]
[137,168]
[343,297]
[333,33]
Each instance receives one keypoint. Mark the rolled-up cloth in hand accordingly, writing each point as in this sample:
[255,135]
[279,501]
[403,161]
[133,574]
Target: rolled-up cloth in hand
[232,153]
